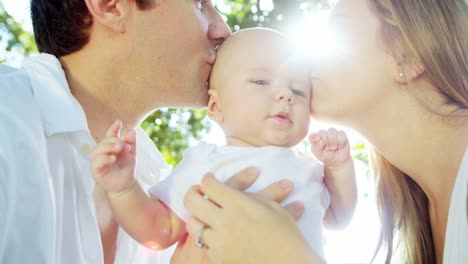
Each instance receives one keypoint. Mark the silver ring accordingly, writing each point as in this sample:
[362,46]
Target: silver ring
[198,241]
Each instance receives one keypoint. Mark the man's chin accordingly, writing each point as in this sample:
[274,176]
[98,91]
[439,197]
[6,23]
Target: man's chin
[203,102]
[202,98]
[196,102]
[191,95]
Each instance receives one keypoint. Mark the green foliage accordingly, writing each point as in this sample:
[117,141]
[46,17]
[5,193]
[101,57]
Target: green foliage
[172,130]
[360,152]
[252,13]
[13,35]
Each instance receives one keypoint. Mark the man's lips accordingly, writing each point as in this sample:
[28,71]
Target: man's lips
[282,118]
[211,59]
[208,77]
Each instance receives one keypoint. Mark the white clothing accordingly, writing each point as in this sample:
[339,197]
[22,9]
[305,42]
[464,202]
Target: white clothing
[46,202]
[274,163]
[456,236]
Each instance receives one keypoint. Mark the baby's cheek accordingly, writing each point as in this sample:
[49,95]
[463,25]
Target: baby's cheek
[304,127]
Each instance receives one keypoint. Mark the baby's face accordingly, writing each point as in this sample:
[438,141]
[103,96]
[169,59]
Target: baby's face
[264,96]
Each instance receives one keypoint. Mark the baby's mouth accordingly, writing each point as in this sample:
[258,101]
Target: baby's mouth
[283,118]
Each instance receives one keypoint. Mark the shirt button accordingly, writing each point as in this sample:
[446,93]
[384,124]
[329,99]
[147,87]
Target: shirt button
[86,149]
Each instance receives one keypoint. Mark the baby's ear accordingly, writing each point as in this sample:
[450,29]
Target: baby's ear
[214,108]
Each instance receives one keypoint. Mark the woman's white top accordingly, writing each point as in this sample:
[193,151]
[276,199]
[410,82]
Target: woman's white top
[456,236]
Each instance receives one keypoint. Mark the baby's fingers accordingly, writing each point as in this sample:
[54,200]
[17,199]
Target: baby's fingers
[342,139]
[130,140]
[101,164]
[330,138]
[317,144]
[114,129]
[314,138]
[109,146]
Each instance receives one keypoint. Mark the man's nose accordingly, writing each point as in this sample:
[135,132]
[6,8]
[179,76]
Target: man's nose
[218,30]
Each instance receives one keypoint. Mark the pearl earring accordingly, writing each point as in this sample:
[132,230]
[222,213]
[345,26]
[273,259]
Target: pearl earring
[402,74]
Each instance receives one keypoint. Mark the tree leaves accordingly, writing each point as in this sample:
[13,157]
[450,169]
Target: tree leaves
[15,37]
[173,131]
[275,14]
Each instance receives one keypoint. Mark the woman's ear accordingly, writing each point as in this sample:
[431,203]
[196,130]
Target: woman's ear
[109,13]
[214,108]
[408,71]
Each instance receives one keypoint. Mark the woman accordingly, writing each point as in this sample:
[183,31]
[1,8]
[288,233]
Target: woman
[402,83]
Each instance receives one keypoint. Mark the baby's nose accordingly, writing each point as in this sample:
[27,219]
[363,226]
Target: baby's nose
[285,95]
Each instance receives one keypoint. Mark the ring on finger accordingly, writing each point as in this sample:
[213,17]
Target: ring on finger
[198,240]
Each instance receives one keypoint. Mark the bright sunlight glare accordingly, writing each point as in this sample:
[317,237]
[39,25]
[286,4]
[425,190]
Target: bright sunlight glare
[313,37]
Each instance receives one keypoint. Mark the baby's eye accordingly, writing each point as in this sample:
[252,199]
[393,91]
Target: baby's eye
[298,92]
[262,82]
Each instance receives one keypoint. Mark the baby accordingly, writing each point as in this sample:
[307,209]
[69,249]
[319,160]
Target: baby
[260,97]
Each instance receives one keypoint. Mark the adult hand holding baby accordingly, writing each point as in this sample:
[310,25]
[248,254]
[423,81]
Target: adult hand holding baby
[257,206]
[219,218]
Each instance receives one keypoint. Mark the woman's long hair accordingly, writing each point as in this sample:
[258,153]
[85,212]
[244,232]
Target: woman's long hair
[433,33]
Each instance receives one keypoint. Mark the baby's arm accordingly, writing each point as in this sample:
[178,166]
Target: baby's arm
[332,148]
[147,220]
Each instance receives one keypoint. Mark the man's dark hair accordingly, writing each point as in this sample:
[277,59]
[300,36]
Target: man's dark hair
[62,26]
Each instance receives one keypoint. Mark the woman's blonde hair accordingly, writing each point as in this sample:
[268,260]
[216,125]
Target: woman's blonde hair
[434,34]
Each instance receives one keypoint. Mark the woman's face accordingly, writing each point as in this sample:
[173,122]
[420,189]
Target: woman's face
[358,77]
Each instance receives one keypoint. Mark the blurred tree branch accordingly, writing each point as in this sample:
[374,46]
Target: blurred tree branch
[13,37]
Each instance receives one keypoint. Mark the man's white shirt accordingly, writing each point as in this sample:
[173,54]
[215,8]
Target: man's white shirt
[46,202]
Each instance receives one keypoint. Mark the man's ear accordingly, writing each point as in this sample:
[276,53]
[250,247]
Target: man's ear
[214,108]
[408,71]
[110,13]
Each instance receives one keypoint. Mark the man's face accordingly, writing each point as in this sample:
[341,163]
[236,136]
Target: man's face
[172,50]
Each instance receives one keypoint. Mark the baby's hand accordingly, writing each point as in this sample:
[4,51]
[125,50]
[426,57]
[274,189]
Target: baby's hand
[113,161]
[331,147]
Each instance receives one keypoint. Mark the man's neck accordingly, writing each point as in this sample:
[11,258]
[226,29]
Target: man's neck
[100,115]
[99,94]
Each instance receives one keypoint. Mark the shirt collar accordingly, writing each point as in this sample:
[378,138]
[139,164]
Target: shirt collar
[60,111]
